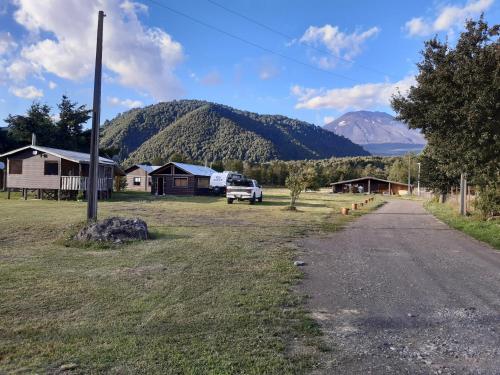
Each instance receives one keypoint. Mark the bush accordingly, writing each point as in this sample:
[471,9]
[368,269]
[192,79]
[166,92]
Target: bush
[488,201]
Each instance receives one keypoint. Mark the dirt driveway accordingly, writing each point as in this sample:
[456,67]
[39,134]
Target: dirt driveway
[398,292]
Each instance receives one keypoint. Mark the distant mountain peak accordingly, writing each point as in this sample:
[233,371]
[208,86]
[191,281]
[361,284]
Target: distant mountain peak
[373,127]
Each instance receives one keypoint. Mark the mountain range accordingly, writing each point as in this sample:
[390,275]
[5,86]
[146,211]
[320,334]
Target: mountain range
[201,130]
[378,132]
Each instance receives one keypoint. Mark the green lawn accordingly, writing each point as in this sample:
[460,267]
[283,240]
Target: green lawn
[487,231]
[210,294]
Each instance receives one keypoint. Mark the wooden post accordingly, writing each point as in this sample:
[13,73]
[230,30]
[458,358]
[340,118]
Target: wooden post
[390,192]
[345,211]
[96,112]
[8,193]
[354,206]
[369,187]
[25,194]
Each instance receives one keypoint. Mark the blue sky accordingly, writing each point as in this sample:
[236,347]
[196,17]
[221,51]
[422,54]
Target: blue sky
[334,56]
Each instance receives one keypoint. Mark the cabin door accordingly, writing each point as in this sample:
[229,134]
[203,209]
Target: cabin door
[159,188]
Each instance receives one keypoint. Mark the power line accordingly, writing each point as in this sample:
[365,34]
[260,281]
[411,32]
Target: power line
[253,44]
[289,37]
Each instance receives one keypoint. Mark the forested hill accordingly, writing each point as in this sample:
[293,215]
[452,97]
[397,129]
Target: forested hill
[201,130]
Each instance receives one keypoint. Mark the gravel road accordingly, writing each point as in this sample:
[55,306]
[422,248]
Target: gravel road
[398,291]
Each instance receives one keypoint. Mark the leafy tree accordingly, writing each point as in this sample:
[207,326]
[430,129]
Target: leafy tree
[37,120]
[70,133]
[455,103]
[296,182]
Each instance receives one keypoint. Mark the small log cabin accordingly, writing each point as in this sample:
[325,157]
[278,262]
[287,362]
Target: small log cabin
[370,185]
[181,179]
[138,178]
[55,173]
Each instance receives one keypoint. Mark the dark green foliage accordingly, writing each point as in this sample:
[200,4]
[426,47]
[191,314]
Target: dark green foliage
[488,201]
[37,120]
[320,173]
[67,132]
[456,104]
[206,131]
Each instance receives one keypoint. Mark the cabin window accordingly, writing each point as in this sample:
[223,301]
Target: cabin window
[16,166]
[51,168]
[181,182]
[137,181]
[203,183]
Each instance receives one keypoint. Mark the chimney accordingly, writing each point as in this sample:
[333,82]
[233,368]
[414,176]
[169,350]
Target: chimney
[33,139]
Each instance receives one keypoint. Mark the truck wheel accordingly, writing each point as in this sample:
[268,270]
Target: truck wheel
[260,198]
[230,200]
[252,200]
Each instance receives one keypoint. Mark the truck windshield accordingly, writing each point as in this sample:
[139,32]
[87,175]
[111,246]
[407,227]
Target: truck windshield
[247,183]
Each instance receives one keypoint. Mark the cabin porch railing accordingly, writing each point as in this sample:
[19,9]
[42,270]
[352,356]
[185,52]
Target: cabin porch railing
[81,183]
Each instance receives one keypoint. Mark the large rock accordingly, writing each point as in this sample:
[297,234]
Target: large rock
[114,229]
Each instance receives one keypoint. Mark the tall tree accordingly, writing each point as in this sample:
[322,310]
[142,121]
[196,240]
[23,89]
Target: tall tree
[456,103]
[72,117]
[37,120]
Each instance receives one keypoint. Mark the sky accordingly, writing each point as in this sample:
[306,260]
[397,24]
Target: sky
[308,59]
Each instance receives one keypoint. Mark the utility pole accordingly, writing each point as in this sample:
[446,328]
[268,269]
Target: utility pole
[463,189]
[418,180]
[96,120]
[409,174]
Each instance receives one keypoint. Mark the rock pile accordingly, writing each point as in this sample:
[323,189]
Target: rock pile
[114,229]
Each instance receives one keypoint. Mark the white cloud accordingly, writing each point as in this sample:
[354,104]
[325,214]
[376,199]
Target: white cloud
[6,43]
[328,119]
[19,69]
[363,96]
[28,92]
[338,43]
[447,19]
[211,79]
[140,57]
[129,103]
[52,85]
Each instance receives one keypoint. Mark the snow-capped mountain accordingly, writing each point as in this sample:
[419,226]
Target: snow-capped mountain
[378,132]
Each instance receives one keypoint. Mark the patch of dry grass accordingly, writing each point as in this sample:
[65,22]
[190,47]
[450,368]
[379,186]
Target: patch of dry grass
[210,294]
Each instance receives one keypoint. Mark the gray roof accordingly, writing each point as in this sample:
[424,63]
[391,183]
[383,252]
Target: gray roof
[148,168]
[197,170]
[367,178]
[77,157]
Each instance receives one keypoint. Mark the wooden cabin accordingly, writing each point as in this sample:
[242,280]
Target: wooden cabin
[2,176]
[370,185]
[138,178]
[55,173]
[181,179]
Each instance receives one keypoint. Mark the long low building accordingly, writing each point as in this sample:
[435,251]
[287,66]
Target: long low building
[370,185]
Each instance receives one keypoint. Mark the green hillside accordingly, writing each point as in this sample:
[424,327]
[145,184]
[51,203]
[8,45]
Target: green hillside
[207,131]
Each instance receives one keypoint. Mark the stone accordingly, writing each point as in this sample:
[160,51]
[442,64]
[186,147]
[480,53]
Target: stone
[115,230]
[299,263]
[68,366]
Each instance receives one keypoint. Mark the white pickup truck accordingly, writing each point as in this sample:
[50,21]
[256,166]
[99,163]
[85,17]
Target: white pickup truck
[241,190]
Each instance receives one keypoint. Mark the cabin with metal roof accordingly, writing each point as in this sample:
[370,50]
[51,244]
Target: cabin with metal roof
[181,179]
[138,178]
[55,173]
[370,185]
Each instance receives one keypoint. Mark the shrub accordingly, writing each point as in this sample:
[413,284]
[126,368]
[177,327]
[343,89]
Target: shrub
[488,201]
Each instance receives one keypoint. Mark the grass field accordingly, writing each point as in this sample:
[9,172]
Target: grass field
[487,231]
[210,294]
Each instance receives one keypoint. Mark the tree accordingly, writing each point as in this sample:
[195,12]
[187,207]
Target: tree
[70,131]
[455,103]
[296,183]
[37,121]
